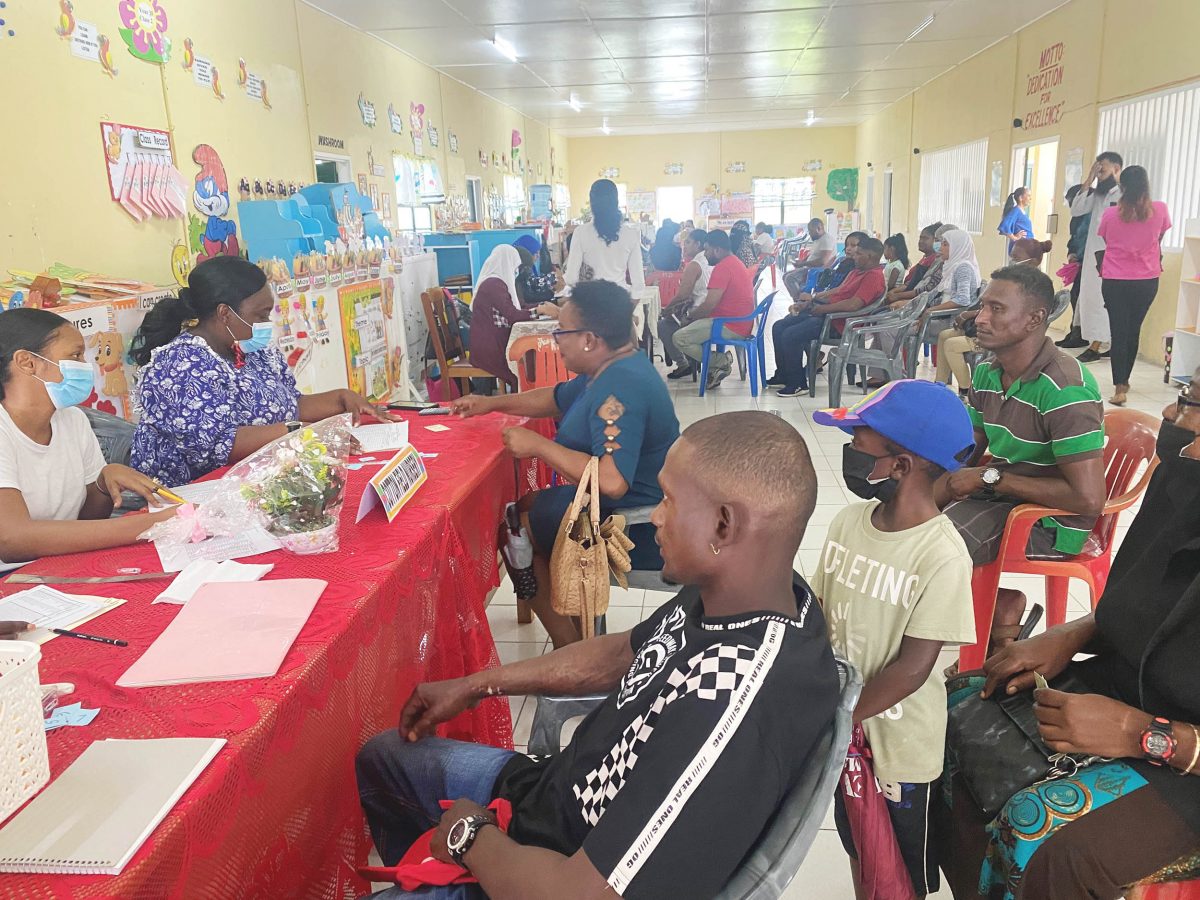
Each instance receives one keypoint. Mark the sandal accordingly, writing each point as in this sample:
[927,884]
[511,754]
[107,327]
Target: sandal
[1120,395]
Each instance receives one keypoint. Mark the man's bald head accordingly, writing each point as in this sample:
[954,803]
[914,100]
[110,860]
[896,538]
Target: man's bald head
[757,458]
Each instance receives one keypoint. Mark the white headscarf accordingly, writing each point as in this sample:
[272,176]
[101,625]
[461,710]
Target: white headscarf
[503,264]
[962,252]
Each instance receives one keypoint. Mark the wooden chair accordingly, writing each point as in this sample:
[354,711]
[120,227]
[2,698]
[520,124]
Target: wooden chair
[1131,437]
[452,357]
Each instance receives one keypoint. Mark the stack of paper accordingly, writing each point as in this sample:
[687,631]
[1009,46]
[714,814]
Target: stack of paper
[47,608]
[251,542]
[228,632]
[95,816]
[205,571]
[384,436]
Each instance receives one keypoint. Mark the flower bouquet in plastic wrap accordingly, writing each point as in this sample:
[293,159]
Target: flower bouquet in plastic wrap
[296,484]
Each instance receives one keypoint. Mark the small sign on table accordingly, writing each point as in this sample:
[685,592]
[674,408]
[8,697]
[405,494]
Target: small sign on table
[394,484]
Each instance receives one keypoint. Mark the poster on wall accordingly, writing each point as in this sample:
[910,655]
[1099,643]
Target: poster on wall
[640,202]
[366,341]
[144,30]
[1073,167]
[708,205]
[996,184]
[737,204]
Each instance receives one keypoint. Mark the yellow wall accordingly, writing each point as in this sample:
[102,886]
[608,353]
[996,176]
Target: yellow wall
[1113,49]
[55,205]
[779,153]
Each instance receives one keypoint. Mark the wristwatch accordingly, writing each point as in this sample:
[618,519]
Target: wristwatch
[990,478]
[462,836]
[293,425]
[1158,742]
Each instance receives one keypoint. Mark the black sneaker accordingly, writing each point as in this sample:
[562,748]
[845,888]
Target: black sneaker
[1090,356]
[681,372]
[776,381]
[716,377]
[1073,341]
[793,391]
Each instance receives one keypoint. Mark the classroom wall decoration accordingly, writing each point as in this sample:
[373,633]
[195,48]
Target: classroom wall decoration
[516,146]
[453,142]
[142,177]
[433,136]
[673,169]
[366,109]
[83,37]
[367,352]
[395,120]
[144,30]
[211,234]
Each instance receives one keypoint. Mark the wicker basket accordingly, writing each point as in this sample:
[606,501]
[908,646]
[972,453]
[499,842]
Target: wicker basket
[24,763]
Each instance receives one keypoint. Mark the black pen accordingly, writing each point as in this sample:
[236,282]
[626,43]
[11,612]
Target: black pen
[89,637]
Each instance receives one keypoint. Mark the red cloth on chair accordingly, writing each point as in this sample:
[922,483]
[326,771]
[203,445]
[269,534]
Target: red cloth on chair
[420,869]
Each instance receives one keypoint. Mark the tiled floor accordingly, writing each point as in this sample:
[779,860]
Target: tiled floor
[825,874]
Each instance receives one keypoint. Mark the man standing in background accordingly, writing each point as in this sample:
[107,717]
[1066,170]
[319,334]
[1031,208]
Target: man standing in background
[1100,192]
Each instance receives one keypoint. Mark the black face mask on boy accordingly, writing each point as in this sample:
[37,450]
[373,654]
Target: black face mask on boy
[857,467]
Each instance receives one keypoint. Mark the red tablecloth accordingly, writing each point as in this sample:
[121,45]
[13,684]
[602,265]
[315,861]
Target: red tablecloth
[276,814]
[668,284]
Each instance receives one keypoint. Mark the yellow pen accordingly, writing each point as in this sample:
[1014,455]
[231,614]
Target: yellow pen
[174,498]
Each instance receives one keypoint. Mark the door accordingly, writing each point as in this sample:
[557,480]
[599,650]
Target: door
[1035,167]
[332,169]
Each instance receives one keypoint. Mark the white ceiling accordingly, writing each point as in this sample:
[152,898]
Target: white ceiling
[655,66]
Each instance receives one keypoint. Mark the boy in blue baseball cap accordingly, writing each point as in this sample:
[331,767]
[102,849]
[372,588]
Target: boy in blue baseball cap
[894,579]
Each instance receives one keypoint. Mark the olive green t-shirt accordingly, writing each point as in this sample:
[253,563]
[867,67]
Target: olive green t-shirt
[878,586]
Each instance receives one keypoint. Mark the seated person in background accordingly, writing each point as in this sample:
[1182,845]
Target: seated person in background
[960,274]
[906,290]
[895,256]
[898,299]
[764,241]
[616,391]
[730,293]
[741,245]
[494,310]
[212,390]
[715,705]
[955,343]
[693,289]
[894,581]
[56,493]
[534,289]
[1039,414]
[1139,816]
[822,253]
[665,255]
[792,334]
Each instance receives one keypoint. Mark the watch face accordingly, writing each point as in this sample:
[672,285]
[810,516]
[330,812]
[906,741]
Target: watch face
[990,476]
[1156,744]
[458,834]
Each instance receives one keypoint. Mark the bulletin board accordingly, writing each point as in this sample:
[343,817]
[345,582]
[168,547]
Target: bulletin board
[642,202]
[364,328]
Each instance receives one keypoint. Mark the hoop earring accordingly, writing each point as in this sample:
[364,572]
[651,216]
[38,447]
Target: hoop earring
[715,551]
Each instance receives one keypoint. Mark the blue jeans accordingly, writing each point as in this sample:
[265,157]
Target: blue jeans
[400,784]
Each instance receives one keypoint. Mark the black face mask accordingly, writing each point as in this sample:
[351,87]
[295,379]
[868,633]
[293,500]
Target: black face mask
[1106,185]
[857,467]
[1171,440]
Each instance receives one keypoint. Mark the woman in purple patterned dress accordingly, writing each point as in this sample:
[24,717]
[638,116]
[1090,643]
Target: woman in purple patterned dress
[211,389]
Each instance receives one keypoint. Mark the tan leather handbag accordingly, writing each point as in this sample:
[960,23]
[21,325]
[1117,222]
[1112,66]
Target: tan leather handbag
[585,551]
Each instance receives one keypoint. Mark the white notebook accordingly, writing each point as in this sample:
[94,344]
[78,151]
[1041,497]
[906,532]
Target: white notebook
[96,814]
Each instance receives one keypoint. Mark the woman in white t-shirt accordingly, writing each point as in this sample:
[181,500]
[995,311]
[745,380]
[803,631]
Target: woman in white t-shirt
[56,493]
[604,249]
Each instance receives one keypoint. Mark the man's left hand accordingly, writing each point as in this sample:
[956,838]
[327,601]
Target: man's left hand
[522,443]
[460,810]
[1090,724]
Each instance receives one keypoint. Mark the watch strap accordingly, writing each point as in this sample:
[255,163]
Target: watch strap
[1161,727]
[474,824]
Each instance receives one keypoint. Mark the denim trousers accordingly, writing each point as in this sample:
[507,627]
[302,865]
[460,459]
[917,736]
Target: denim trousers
[400,785]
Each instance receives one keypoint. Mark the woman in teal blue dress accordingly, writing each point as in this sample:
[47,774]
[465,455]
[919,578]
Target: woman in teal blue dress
[616,408]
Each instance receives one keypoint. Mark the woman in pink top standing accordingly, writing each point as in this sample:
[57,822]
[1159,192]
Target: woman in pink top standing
[1129,268]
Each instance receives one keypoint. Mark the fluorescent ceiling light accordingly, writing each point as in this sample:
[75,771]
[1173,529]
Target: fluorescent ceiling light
[812,117]
[574,103]
[507,49]
[604,127]
[924,23]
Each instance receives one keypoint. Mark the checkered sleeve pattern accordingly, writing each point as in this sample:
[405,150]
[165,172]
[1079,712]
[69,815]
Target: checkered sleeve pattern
[499,319]
[714,675]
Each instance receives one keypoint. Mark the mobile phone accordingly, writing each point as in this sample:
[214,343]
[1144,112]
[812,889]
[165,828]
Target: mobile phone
[412,405]
[435,410]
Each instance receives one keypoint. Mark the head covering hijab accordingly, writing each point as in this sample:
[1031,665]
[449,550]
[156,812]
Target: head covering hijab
[962,253]
[503,264]
[530,243]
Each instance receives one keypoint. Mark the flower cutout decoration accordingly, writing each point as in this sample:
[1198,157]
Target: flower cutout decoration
[144,30]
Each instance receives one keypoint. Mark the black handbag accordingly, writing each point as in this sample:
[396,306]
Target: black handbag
[994,745]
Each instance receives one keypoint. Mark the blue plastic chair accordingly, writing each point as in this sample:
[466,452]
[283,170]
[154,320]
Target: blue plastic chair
[754,345]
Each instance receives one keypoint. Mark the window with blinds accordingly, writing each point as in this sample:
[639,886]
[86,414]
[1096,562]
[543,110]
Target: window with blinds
[954,186]
[1161,131]
[783,201]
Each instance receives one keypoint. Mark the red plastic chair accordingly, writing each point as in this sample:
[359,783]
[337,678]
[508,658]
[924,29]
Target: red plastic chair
[1131,436]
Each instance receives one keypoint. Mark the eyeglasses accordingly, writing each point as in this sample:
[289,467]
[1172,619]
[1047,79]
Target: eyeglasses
[561,331]
[1184,400]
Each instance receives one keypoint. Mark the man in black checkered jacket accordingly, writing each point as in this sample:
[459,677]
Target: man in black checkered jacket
[716,703]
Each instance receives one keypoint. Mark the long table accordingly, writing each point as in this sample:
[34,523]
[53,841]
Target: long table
[276,814]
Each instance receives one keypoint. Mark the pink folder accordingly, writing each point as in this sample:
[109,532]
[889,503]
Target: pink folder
[227,632]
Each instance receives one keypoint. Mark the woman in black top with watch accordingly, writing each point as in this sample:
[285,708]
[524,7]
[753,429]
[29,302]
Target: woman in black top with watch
[1114,823]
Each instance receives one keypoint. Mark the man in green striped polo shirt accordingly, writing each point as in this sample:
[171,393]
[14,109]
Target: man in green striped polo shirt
[1037,411]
